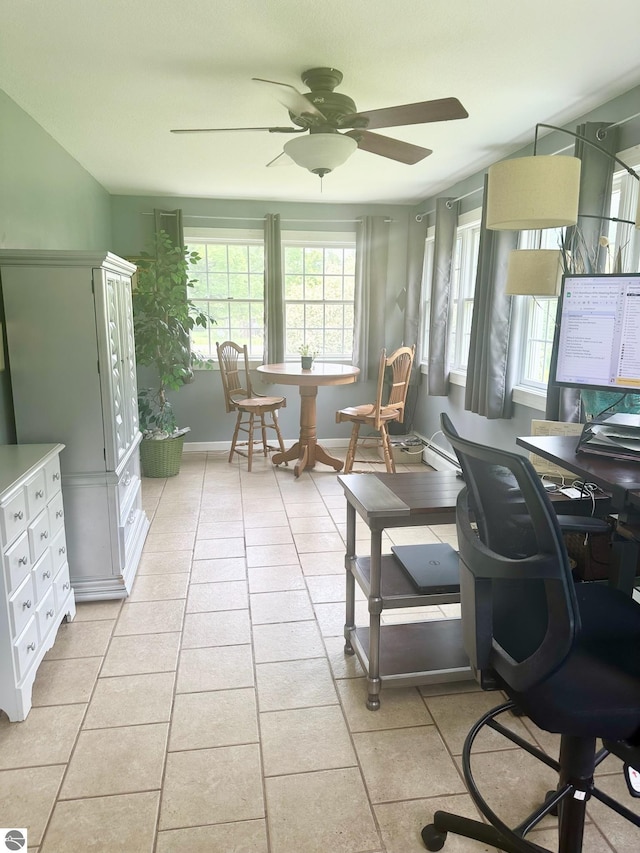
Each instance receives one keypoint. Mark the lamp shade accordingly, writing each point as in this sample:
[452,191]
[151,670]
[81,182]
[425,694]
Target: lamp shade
[533,193]
[320,152]
[534,272]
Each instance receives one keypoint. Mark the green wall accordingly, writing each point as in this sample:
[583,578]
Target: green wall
[47,201]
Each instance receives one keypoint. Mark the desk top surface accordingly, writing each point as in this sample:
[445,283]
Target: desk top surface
[621,478]
[322,373]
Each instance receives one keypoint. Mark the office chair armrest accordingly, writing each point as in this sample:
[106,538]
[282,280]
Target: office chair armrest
[583,524]
[571,523]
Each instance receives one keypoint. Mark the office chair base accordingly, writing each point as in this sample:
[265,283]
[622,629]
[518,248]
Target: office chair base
[578,759]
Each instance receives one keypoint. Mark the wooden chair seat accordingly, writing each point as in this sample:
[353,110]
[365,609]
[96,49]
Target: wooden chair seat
[377,415]
[251,408]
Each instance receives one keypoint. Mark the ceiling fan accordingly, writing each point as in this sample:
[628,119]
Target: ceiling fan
[336,128]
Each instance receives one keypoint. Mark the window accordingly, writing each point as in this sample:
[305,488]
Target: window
[230,287]
[319,286]
[463,280]
[538,317]
[425,309]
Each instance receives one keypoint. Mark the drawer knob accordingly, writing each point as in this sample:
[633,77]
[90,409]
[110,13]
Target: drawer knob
[50,614]
[18,516]
[22,561]
[66,585]
[56,476]
[40,493]
[62,550]
[46,575]
[44,534]
[31,647]
[26,604]
[59,513]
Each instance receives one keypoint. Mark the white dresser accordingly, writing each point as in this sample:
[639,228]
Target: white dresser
[69,327]
[35,589]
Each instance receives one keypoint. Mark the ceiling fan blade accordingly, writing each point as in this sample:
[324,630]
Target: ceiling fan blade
[282,159]
[292,99]
[235,129]
[394,149]
[443,109]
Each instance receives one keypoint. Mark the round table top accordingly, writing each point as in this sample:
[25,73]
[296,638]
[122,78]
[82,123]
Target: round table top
[322,373]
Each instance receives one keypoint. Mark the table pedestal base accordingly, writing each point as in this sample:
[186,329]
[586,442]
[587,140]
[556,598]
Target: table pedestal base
[307,456]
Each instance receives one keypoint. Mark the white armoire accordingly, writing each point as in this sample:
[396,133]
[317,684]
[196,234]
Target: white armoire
[69,329]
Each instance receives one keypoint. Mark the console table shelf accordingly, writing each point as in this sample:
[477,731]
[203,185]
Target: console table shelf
[413,653]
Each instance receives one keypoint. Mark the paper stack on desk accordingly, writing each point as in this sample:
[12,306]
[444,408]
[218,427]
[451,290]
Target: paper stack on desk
[617,437]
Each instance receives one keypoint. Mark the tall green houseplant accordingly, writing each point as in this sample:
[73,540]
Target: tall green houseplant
[163,317]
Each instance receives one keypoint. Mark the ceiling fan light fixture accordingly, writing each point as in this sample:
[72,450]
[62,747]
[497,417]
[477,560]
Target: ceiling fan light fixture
[320,153]
[533,192]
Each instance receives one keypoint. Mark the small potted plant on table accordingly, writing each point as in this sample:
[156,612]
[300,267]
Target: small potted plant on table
[307,354]
[163,317]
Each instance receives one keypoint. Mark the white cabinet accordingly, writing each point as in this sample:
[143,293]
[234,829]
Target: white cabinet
[69,327]
[35,588]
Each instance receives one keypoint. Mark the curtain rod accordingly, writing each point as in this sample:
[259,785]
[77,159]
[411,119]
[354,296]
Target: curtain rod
[450,203]
[261,218]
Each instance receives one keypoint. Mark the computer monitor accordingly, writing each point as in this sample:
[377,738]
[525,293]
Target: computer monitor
[599,334]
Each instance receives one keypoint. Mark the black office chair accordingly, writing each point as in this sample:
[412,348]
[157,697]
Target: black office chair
[566,654]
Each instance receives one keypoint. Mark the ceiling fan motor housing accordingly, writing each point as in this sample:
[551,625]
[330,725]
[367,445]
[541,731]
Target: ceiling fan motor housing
[333,105]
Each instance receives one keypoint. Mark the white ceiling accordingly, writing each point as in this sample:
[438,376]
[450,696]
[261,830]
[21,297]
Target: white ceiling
[109,78]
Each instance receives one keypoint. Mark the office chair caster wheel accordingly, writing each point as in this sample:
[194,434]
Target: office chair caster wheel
[432,839]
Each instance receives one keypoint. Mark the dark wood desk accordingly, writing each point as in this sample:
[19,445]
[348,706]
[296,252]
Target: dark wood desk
[417,652]
[621,479]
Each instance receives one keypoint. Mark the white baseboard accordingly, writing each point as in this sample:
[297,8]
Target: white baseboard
[225,446]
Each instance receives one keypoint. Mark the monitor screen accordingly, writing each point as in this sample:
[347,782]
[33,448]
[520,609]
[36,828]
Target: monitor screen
[599,334]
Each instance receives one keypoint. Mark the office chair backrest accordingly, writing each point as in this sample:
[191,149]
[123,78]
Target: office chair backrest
[235,385]
[519,610]
[397,369]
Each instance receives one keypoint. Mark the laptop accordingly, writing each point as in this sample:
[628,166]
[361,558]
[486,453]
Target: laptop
[432,569]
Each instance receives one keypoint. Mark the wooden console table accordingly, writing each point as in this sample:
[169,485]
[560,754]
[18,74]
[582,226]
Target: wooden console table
[414,653]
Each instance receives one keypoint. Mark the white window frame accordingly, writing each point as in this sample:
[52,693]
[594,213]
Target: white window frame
[463,283]
[216,332]
[425,296]
[317,337]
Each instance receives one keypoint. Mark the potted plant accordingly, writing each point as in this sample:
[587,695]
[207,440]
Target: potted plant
[163,317]
[307,354]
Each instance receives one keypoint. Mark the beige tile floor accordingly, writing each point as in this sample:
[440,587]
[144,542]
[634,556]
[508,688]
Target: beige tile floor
[214,710]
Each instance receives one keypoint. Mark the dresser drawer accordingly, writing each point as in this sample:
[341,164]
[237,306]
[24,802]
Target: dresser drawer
[56,514]
[61,586]
[45,614]
[36,493]
[25,648]
[53,479]
[59,550]
[17,562]
[39,535]
[22,606]
[42,574]
[14,516]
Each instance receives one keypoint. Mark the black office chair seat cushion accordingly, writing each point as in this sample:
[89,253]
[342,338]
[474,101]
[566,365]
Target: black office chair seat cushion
[596,691]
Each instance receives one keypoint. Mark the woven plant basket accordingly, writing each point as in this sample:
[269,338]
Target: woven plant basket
[161,458]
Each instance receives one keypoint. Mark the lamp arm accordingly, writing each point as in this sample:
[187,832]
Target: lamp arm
[595,145]
[608,218]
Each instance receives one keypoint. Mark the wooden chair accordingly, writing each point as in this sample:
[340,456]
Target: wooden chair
[251,407]
[378,415]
